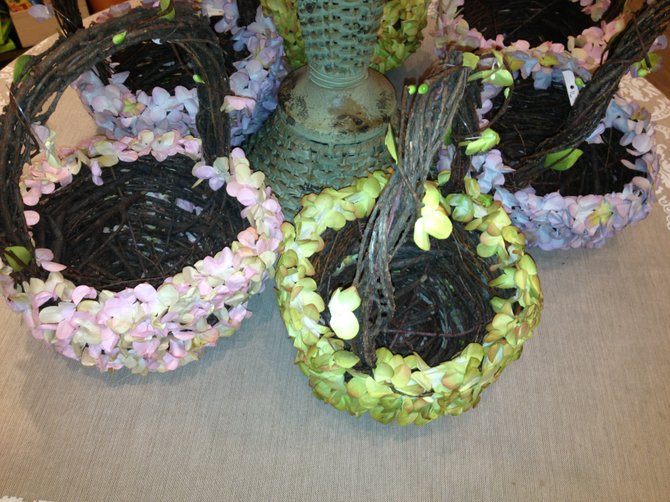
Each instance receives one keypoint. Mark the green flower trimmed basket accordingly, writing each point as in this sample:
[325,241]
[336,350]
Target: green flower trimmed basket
[401,386]
[407,329]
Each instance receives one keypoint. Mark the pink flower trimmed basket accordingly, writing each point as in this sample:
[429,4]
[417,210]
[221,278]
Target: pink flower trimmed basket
[137,252]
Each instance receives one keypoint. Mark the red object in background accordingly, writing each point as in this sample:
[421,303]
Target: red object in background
[98,5]
[18,5]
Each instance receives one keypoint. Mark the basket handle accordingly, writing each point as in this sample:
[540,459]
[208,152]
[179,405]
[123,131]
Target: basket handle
[631,45]
[70,57]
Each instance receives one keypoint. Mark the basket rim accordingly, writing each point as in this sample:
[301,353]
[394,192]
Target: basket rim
[249,103]
[148,328]
[582,55]
[555,221]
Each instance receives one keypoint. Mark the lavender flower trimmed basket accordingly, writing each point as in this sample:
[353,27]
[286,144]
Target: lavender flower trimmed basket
[601,205]
[153,88]
[570,173]
[129,253]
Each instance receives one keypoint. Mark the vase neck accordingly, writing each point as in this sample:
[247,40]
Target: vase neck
[330,81]
[340,37]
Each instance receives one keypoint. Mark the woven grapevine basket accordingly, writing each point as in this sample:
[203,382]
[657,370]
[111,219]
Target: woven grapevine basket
[609,187]
[407,330]
[134,261]
[571,174]
[448,340]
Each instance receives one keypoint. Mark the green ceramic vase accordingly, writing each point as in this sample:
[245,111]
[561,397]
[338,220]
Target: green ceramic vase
[333,113]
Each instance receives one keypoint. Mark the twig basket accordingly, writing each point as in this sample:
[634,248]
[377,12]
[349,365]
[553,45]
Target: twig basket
[406,331]
[570,175]
[133,262]
[611,186]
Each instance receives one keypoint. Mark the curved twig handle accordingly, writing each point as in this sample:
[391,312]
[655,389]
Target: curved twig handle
[426,117]
[630,46]
[50,73]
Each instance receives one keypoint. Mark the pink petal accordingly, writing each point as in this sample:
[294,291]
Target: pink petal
[81,292]
[177,349]
[204,172]
[247,196]
[237,153]
[51,266]
[31,197]
[145,292]
[32,217]
[146,348]
[171,363]
[64,330]
[642,143]
[231,103]
[44,254]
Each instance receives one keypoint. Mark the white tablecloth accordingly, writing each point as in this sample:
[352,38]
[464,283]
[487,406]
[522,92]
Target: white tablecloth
[584,414]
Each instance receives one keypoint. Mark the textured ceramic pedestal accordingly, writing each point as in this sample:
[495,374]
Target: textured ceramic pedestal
[333,113]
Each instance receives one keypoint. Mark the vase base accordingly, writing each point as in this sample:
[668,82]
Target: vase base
[322,137]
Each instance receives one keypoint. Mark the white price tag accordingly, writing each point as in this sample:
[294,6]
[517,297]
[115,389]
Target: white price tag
[570,86]
[214,11]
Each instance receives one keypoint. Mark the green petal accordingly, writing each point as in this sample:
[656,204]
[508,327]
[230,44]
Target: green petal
[390,143]
[401,377]
[346,359]
[563,160]
[421,238]
[19,66]
[346,300]
[17,257]
[345,325]
[383,372]
[119,38]
[438,225]
[501,78]
[470,60]
[356,388]
[376,390]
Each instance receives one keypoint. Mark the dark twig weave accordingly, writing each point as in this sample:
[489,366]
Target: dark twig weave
[390,270]
[630,46]
[76,222]
[535,21]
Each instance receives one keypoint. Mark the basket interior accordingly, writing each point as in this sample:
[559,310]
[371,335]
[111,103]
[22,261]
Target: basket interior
[535,21]
[167,65]
[132,229]
[598,171]
[532,116]
[442,296]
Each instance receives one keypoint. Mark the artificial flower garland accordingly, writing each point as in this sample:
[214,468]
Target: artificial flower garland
[122,112]
[556,221]
[399,36]
[146,328]
[401,388]
[545,63]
